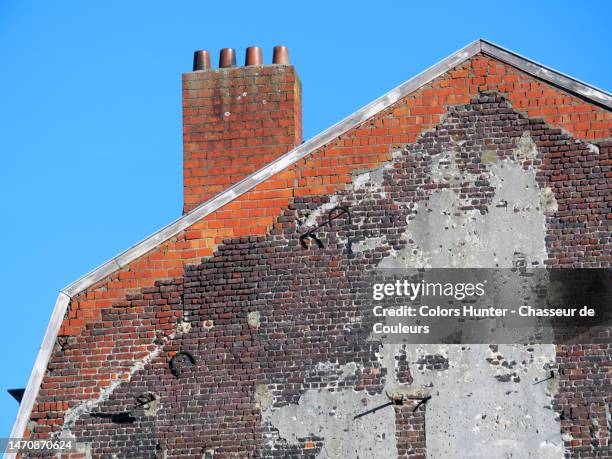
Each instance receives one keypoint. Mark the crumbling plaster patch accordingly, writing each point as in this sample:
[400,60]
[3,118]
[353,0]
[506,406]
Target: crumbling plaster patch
[253,319]
[263,397]
[369,243]
[151,405]
[473,413]
[514,222]
[330,415]
[473,402]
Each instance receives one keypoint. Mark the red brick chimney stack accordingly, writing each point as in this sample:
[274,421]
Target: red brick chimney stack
[236,119]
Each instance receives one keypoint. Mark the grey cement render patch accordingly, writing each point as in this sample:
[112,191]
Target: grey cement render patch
[152,407]
[253,319]
[329,415]
[478,409]
[369,244]
[474,414]
[514,224]
[263,397]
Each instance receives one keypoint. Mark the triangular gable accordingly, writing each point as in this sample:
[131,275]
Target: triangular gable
[583,90]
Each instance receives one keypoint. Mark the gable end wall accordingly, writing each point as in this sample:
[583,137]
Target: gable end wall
[96,364]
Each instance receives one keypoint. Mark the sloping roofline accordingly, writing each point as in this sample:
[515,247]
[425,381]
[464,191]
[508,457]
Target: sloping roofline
[592,94]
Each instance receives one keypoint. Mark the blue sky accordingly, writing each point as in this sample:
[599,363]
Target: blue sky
[90,118]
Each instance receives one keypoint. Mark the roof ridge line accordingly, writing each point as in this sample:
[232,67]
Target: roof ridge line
[569,83]
[555,77]
[272,168]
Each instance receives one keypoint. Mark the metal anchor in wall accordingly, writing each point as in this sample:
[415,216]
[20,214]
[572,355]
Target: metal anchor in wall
[331,216]
[397,401]
[552,375]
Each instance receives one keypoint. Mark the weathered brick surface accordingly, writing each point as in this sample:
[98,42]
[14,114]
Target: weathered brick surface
[235,121]
[433,362]
[584,398]
[410,432]
[253,261]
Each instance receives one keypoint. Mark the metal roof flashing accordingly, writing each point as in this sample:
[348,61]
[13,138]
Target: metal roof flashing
[591,93]
[540,71]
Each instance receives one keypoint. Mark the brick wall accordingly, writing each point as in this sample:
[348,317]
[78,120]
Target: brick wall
[410,433]
[235,121]
[97,349]
[584,397]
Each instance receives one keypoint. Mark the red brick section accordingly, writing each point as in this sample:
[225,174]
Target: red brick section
[410,432]
[235,121]
[323,172]
[585,388]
